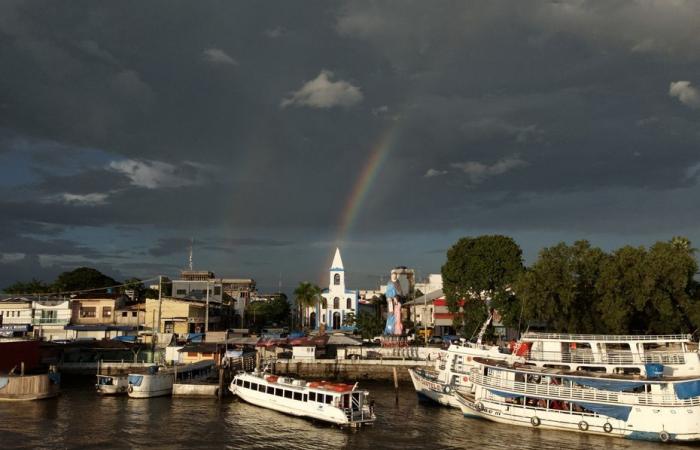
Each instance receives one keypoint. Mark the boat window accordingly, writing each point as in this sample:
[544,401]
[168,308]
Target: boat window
[135,380]
[271,390]
[261,387]
[239,382]
[312,396]
[297,396]
[254,386]
[329,399]
[287,394]
[246,384]
[306,398]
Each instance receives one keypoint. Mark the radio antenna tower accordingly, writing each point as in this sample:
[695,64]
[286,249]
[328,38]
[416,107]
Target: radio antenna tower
[191,247]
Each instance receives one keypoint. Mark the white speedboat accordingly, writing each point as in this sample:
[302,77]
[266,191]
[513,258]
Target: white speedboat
[340,404]
[158,380]
[630,406]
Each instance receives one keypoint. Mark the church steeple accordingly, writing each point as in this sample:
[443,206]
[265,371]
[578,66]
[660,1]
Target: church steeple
[337,275]
[337,262]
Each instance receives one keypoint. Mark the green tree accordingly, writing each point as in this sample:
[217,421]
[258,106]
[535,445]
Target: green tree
[306,295]
[369,325]
[268,312]
[31,287]
[83,278]
[477,276]
[559,290]
[622,292]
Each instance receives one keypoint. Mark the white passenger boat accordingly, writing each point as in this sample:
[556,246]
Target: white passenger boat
[630,406]
[627,354]
[112,384]
[340,404]
[611,354]
[158,380]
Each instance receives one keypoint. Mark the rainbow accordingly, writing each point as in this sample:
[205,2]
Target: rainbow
[365,181]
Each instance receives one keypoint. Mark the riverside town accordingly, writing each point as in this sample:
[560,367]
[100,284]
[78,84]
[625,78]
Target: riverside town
[350,224]
[532,361]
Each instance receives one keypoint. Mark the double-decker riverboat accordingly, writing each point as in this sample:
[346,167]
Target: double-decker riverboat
[651,407]
[611,354]
[340,404]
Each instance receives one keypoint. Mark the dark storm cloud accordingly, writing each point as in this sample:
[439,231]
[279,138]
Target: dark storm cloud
[217,119]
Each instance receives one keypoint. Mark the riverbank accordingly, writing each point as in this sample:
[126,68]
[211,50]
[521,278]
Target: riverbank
[348,369]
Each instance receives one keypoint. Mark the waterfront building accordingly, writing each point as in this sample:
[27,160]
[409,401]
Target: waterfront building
[50,319]
[337,302]
[93,317]
[181,316]
[233,294]
[15,316]
[431,311]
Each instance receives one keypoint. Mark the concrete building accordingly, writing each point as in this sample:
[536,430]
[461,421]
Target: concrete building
[337,301]
[431,311]
[15,316]
[181,316]
[93,316]
[51,318]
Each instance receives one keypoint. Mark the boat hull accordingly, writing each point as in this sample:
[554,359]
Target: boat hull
[432,389]
[27,387]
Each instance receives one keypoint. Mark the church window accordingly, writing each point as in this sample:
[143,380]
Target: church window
[336,303]
[349,304]
[336,279]
[324,303]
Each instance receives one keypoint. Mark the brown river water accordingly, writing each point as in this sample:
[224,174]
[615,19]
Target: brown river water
[79,418]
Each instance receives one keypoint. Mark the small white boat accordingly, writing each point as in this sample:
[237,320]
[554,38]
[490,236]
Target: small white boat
[340,404]
[112,384]
[158,381]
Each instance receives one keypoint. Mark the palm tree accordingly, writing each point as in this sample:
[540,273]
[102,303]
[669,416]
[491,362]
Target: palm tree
[306,295]
[682,243]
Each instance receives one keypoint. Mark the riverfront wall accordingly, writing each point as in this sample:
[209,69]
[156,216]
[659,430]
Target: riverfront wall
[350,370]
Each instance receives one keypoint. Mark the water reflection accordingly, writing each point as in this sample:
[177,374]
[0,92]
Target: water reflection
[81,418]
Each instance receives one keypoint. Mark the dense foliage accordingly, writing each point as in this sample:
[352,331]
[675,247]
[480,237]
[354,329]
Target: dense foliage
[82,278]
[369,325]
[582,289]
[477,276]
[273,312]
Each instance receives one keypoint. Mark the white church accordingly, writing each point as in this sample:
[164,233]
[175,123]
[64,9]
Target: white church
[336,302]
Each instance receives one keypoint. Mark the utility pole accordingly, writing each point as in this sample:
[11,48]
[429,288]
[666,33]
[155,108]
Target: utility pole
[160,299]
[206,312]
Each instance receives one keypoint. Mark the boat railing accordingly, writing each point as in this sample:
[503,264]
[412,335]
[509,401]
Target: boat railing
[533,336]
[573,393]
[609,357]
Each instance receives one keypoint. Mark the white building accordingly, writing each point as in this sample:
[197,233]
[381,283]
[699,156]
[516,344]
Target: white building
[15,316]
[50,319]
[337,301]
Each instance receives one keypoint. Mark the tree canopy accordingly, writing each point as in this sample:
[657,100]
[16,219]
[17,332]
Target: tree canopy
[478,275]
[582,289]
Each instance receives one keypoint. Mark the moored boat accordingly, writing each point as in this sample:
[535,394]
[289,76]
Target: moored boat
[340,404]
[630,406]
[29,387]
[158,381]
[112,384]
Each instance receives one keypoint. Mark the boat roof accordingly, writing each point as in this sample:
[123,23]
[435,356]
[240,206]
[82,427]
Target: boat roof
[534,336]
[557,372]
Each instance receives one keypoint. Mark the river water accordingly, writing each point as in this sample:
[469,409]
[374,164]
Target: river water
[79,418]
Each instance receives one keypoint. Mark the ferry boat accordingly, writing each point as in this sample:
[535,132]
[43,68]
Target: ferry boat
[611,354]
[654,407]
[340,404]
[158,381]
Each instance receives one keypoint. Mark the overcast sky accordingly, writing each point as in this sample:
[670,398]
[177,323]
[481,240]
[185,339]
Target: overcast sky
[270,132]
